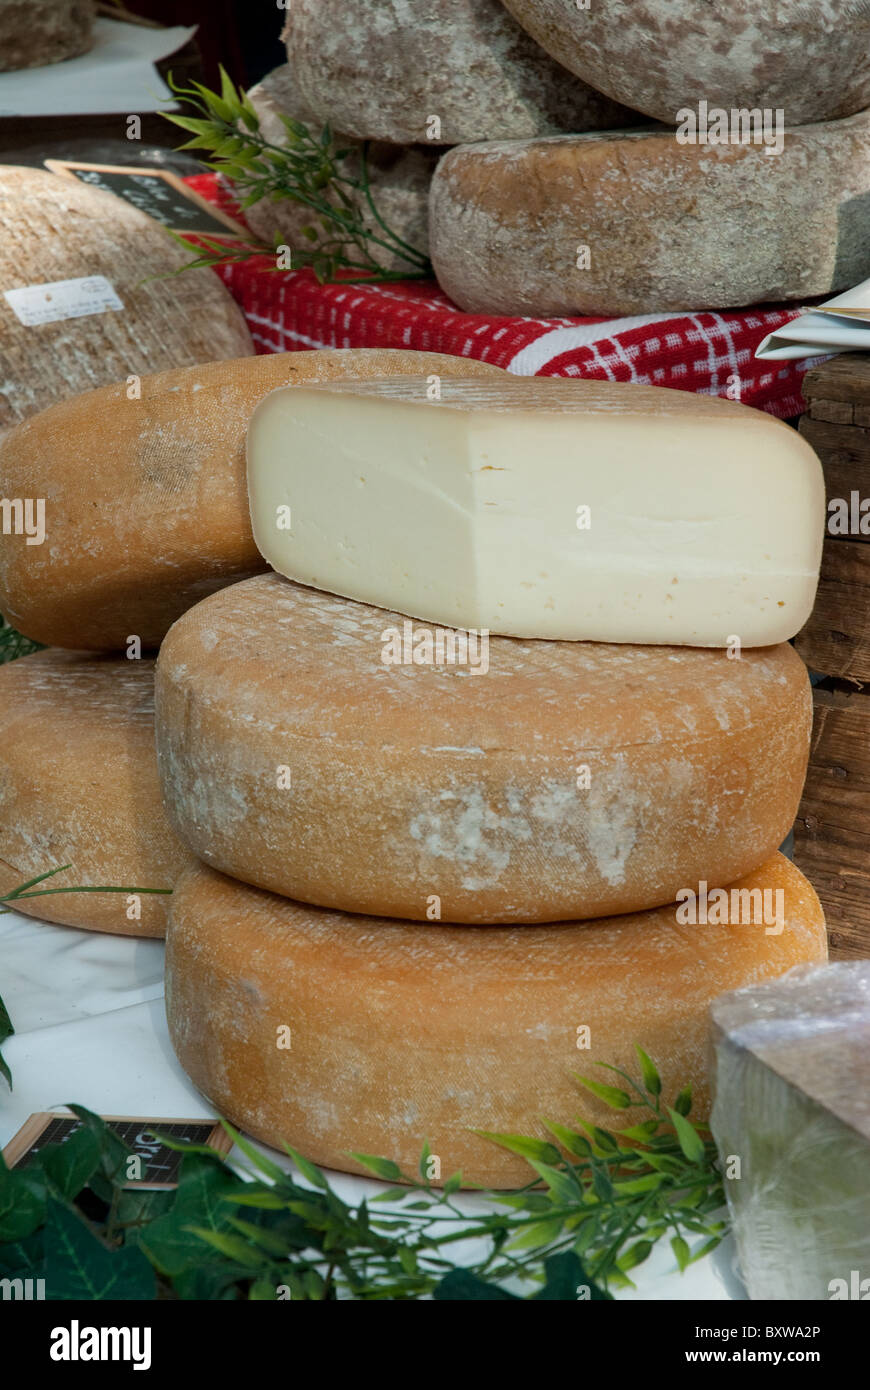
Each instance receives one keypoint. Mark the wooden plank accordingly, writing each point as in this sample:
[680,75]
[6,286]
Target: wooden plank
[836,639]
[845,454]
[844,378]
[832,831]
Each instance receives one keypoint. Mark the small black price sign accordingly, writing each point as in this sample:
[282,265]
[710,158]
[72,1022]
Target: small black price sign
[158,192]
[158,1164]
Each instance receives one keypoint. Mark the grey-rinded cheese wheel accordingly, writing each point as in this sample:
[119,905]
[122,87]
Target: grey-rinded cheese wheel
[810,58]
[56,229]
[440,71]
[638,223]
[34,33]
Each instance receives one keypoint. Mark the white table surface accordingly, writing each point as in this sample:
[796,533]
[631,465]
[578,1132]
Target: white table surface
[90,1028]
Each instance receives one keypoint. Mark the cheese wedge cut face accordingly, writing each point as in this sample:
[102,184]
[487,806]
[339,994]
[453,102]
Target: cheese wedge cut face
[543,508]
[79,786]
[533,781]
[145,501]
[335,1033]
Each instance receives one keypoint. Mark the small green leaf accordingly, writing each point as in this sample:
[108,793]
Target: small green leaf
[681,1251]
[651,1079]
[611,1095]
[453,1184]
[570,1140]
[642,1133]
[6,1031]
[635,1255]
[561,1187]
[524,1146]
[231,1246]
[383,1168]
[683,1102]
[309,1171]
[690,1141]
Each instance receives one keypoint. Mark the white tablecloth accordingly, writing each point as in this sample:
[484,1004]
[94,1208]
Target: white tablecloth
[90,1028]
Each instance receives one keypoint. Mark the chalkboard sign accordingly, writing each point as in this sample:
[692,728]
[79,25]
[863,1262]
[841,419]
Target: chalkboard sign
[159,1164]
[157,192]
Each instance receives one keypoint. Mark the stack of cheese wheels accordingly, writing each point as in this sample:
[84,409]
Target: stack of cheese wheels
[487,782]
[635,157]
[121,510]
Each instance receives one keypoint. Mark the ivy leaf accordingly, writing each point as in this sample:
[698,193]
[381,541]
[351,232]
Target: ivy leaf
[71,1165]
[688,1137]
[460,1285]
[78,1265]
[22,1203]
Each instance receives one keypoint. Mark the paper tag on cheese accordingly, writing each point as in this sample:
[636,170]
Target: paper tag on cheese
[62,299]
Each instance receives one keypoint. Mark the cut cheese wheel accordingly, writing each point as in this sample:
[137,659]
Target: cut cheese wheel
[807,57]
[78,786]
[568,780]
[124,312]
[34,33]
[543,507]
[445,72]
[335,1033]
[146,507]
[398,178]
[636,223]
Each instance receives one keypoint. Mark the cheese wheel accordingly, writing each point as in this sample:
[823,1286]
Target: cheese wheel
[540,507]
[400,1033]
[58,229]
[398,178]
[636,223]
[446,71]
[146,505]
[808,57]
[570,780]
[34,33]
[79,786]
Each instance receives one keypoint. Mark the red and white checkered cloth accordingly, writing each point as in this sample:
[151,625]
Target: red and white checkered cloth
[710,353]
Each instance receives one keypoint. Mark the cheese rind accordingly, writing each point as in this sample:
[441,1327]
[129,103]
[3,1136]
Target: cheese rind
[55,229]
[146,506]
[400,1034]
[542,507]
[570,780]
[463,63]
[637,223]
[34,33]
[398,178]
[808,57]
[79,786]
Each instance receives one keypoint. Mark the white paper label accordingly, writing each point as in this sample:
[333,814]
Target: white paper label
[62,299]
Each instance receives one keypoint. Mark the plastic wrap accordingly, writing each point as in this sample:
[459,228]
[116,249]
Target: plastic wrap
[791,1119]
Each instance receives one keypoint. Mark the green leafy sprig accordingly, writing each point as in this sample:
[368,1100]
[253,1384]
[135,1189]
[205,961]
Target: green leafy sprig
[312,170]
[263,1234]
